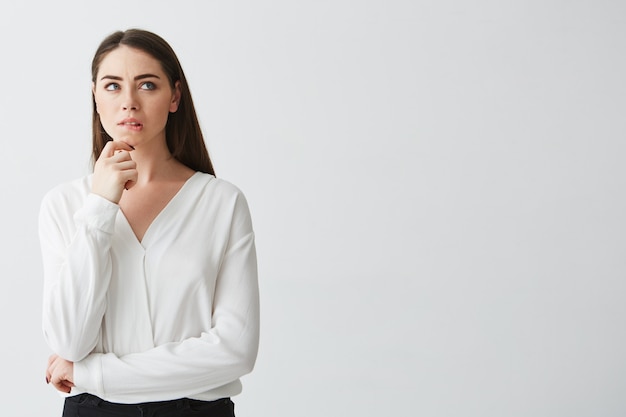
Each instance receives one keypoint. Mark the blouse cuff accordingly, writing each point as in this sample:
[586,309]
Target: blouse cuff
[88,375]
[98,213]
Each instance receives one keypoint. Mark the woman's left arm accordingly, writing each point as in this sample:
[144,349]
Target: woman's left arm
[224,353]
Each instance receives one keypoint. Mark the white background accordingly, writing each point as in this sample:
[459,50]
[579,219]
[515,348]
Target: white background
[437,189]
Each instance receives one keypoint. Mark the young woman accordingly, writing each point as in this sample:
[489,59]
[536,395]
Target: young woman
[151,300]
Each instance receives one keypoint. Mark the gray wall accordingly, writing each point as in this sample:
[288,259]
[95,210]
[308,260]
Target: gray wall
[437,190]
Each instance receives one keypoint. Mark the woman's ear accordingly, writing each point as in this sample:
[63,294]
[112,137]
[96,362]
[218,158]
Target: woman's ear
[175,98]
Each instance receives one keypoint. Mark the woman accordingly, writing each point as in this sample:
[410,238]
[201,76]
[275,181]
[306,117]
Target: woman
[151,298]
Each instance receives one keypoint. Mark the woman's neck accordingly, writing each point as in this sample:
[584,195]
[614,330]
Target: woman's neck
[158,164]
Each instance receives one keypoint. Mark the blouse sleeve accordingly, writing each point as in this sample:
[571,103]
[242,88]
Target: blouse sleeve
[77,270]
[215,358]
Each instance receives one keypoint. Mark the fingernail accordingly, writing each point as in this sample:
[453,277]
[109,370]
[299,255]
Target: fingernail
[47,380]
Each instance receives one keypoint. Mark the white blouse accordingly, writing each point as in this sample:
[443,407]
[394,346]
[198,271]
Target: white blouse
[175,315]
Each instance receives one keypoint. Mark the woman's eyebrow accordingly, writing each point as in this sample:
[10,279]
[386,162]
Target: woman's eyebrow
[139,77]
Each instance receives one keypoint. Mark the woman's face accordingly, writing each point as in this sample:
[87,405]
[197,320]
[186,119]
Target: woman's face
[133,97]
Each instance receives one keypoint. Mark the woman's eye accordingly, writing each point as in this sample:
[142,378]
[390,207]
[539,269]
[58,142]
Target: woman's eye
[112,87]
[148,86]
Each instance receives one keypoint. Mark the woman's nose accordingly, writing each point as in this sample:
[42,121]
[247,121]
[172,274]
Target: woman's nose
[130,102]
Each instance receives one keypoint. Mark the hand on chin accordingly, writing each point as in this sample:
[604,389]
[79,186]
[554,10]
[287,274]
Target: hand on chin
[124,140]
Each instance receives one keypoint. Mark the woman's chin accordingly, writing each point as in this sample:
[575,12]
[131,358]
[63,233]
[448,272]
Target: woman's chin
[125,140]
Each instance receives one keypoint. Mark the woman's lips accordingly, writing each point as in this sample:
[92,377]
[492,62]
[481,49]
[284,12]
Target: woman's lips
[131,124]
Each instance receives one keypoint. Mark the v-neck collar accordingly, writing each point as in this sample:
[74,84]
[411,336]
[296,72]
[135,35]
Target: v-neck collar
[145,242]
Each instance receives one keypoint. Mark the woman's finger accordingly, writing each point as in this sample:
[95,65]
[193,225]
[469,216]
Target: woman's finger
[114,145]
[60,374]
[60,385]
[52,362]
[125,165]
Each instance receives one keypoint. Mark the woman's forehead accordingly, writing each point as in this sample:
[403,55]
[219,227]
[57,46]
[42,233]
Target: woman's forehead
[125,60]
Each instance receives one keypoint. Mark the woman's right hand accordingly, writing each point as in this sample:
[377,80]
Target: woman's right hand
[60,373]
[114,171]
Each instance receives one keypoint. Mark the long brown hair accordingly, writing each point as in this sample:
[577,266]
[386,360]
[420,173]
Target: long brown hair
[182,132]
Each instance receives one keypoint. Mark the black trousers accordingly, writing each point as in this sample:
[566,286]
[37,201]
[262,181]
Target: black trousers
[87,405]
